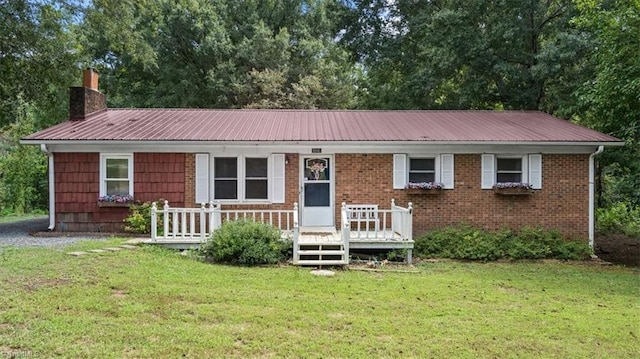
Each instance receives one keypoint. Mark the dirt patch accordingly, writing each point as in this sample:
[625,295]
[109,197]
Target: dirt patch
[618,249]
[9,352]
[116,293]
[44,282]
[83,234]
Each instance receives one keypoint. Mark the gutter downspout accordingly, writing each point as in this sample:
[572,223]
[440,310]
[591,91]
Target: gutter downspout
[592,195]
[52,188]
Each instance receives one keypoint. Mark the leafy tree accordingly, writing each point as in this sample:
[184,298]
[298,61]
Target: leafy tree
[38,53]
[610,99]
[23,169]
[274,54]
[467,54]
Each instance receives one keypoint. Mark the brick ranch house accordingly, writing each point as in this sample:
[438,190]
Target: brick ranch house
[271,159]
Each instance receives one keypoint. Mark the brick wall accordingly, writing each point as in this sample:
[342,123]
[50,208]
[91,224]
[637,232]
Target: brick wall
[77,188]
[562,204]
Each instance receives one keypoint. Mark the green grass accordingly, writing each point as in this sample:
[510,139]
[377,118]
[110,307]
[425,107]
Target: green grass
[17,218]
[151,303]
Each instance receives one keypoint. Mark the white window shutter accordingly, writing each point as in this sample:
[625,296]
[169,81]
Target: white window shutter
[399,171]
[446,170]
[535,171]
[277,178]
[202,177]
[488,171]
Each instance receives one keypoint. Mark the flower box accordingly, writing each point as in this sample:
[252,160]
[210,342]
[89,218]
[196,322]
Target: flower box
[422,192]
[418,188]
[513,191]
[115,201]
[113,204]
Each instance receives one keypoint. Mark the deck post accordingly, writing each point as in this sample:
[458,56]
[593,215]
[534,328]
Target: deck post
[410,221]
[213,216]
[346,226]
[165,219]
[203,221]
[296,255]
[154,221]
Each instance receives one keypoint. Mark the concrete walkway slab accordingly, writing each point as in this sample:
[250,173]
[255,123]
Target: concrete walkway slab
[77,254]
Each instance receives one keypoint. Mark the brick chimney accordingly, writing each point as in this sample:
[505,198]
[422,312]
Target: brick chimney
[86,100]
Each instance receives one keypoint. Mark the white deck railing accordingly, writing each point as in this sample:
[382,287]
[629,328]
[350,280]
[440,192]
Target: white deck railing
[196,224]
[368,222]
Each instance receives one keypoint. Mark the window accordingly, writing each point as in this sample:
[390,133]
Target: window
[240,178]
[511,168]
[439,168]
[116,174]
[256,179]
[422,170]
[225,177]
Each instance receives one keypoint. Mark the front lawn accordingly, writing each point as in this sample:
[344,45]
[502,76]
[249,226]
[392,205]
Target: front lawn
[155,303]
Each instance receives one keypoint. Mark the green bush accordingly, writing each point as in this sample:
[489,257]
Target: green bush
[619,218]
[23,168]
[474,244]
[139,221]
[247,242]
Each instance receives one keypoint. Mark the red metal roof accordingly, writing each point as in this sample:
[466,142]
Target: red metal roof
[319,125]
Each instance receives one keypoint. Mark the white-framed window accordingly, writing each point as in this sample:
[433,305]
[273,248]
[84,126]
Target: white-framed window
[116,174]
[511,168]
[240,178]
[225,178]
[423,168]
[256,180]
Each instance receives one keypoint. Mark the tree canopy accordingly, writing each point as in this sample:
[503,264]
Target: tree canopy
[579,60]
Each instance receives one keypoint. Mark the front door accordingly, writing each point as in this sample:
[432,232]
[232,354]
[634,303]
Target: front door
[317,189]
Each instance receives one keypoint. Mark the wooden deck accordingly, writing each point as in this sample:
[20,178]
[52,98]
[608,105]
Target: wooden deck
[364,227]
[379,240]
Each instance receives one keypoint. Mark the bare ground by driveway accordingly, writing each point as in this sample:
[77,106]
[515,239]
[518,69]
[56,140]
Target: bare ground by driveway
[19,234]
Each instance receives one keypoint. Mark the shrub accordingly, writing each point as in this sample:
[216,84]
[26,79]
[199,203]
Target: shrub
[458,243]
[247,242]
[139,221]
[473,244]
[619,218]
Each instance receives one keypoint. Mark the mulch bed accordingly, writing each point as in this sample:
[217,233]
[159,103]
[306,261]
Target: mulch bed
[618,249]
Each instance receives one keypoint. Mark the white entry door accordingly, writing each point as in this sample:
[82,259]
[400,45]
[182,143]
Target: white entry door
[317,190]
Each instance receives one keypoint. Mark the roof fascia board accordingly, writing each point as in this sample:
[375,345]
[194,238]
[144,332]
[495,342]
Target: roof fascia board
[318,143]
[324,147]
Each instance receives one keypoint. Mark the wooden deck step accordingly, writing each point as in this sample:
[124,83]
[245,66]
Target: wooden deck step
[315,262]
[307,252]
[321,244]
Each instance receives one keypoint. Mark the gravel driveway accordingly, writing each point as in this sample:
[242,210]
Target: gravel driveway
[17,234]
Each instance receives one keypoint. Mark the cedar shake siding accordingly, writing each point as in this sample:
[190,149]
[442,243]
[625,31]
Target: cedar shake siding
[159,176]
[77,177]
